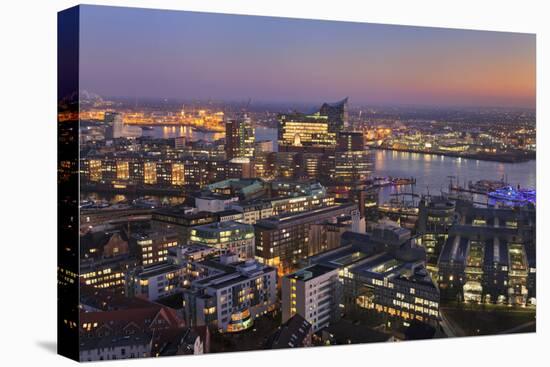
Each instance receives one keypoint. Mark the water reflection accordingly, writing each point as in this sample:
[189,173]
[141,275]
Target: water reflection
[191,134]
[433,175]
[432,172]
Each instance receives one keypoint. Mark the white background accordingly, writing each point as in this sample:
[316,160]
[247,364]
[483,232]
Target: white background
[28,180]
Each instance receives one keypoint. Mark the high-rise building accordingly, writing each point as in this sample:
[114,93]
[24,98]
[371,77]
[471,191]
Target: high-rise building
[349,141]
[239,137]
[313,293]
[352,163]
[264,164]
[117,129]
[366,197]
[263,146]
[337,114]
[305,133]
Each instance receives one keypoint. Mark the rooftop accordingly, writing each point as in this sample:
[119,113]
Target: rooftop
[158,270]
[291,334]
[274,222]
[225,226]
[311,272]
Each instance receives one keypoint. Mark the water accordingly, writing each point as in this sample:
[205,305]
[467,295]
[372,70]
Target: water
[432,171]
[191,134]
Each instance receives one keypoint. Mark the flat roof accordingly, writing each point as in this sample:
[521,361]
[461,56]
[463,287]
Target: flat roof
[311,272]
[274,222]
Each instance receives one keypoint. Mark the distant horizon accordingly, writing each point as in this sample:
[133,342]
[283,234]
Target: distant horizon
[316,103]
[149,53]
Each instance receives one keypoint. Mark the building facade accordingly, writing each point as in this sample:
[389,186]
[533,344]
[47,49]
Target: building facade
[239,137]
[233,294]
[284,241]
[313,293]
[228,236]
[489,256]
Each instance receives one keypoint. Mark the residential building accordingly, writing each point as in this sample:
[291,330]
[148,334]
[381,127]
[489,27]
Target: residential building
[156,282]
[232,295]
[314,293]
[294,333]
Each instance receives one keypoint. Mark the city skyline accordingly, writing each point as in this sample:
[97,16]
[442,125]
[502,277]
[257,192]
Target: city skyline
[144,53]
[196,228]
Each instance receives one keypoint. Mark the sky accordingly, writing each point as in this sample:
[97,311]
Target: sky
[127,52]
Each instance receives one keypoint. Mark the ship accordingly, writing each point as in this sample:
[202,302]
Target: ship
[391,181]
[404,212]
[90,204]
[146,202]
[509,196]
[486,186]
[482,187]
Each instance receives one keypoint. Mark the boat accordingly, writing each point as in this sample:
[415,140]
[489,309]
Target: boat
[510,196]
[486,186]
[85,204]
[391,181]
[146,202]
[94,204]
[398,207]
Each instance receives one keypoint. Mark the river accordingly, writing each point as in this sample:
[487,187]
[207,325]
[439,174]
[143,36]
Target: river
[431,171]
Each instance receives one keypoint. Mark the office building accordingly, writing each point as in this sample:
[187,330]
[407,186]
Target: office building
[384,275]
[180,220]
[352,163]
[435,218]
[151,247]
[284,241]
[350,141]
[228,236]
[253,211]
[239,137]
[264,164]
[105,273]
[305,133]
[489,256]
[117,129]
[336,113]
